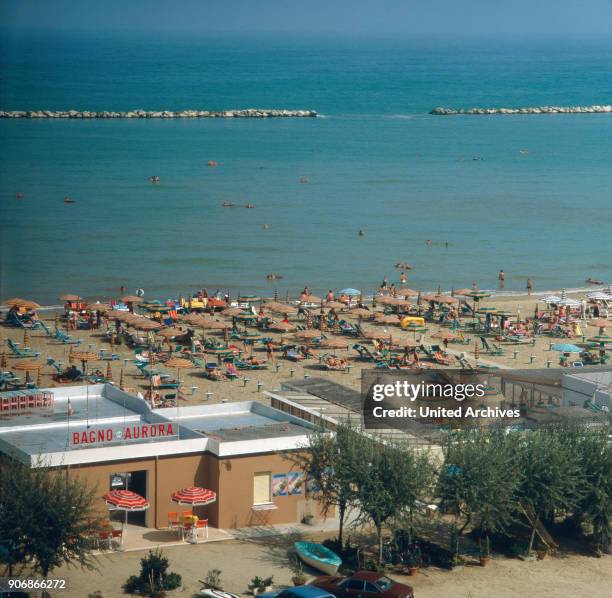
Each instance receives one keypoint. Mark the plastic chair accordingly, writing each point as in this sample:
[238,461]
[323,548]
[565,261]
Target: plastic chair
[202,524]
[172,519]
[105,537]
[117,533]
[186,513]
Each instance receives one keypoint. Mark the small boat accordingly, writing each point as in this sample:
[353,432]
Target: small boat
[594,281]
[69,200]
[318,556]
[228,204]
[250,205]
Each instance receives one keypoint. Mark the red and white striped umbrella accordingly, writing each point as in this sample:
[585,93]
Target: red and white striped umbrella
[194,496]
[126,500]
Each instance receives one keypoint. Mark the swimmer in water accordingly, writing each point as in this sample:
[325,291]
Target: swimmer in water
[428,242]
[266,226]
[361,232]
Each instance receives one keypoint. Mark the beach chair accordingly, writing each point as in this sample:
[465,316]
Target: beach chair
[294,355]
[17,352]
[66,339]
[442,359]
[364,353]
[577,364]
[46,329]
[213,372]
[108,356]
[231,373]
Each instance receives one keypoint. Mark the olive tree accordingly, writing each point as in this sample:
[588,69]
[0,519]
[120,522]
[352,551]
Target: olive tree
[479,480]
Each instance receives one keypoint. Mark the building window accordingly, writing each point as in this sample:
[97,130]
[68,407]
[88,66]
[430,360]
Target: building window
[262,488]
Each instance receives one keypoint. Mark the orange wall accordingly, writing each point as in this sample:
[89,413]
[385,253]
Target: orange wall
[231,479]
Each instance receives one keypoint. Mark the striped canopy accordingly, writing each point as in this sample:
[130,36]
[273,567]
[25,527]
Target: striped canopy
[194,496]
[126,500]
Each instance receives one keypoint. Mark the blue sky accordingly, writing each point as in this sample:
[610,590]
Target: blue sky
[376,17]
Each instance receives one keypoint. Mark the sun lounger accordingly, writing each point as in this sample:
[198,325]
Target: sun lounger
[17,352]
[294,355]
[442,359]
[66,339]
[108,356]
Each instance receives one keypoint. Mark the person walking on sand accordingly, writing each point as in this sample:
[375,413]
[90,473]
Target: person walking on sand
[270,352]
[502,279]
[529,287]
[330,295]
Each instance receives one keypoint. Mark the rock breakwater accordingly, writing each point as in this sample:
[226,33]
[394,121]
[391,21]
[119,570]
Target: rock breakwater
[88,114]
[531,110]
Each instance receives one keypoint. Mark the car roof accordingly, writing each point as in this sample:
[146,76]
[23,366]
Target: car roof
[367,575]
[307,592]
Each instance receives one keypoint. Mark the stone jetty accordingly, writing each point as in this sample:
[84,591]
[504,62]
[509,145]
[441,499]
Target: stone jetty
[87,114]
[532,110]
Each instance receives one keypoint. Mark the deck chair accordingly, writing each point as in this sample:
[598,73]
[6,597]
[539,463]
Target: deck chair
[17,352]
[66,339]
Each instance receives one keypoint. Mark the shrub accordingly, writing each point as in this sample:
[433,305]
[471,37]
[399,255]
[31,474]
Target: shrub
[153,580]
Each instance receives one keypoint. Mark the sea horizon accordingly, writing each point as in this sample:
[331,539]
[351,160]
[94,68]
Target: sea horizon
[526,194]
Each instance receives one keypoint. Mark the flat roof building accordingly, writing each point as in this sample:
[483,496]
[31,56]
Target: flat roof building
[115,440]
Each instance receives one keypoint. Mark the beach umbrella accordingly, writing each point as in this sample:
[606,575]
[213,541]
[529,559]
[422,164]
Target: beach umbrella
[599,296]
[310,299]
[146,324]
[15,302]
[210,324]
[403,343]
[551,299]
[26,337]
[334,305]
[30,305]
[350,292]
[376,335]
[195,318]
[109,371]
[444,299]
[306,334]
[169,333]
[127,501]
[194,496]
[566,348]
[382,319]
[463,292]
[280,308]
[282,326]
[131,299]
[69,297]
[360,312]
[387,300]
[445,335]
[407,293]
[27,365]
[121,381]
[331,343]
[232,312]
[179,363]
[601,324]
[83,356]
[3,361]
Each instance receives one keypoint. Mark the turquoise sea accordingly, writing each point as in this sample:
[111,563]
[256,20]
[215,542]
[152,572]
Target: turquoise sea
[529,194]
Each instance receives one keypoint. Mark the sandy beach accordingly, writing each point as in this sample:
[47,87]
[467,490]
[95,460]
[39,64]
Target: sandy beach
[197,388]
[568,576]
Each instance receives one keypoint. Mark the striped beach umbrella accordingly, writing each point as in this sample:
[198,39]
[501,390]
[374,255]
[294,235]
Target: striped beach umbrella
[194,496]
[126,500]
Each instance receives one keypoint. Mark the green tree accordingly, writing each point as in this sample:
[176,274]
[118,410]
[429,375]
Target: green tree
[45,517]
[389,481]
[595,505]
[552,479]
[330,460]
[479,480]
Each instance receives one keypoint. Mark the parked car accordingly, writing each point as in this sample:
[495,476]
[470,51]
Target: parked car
[363,584]
[309,591]
[210,593]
